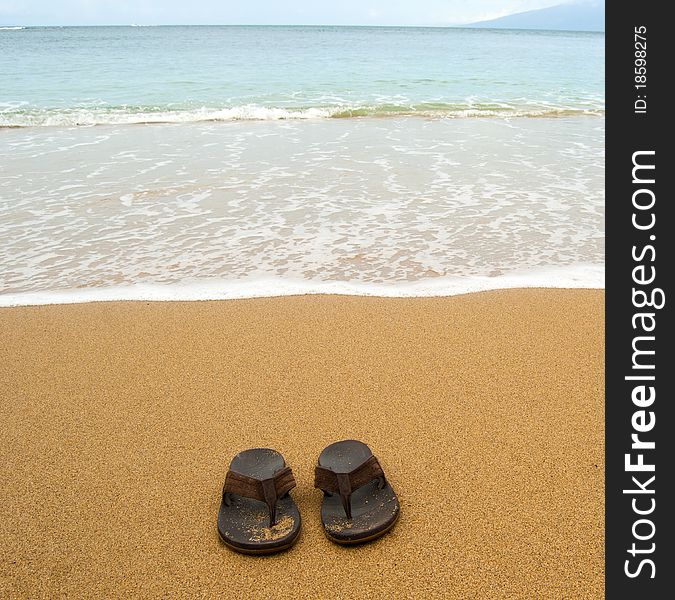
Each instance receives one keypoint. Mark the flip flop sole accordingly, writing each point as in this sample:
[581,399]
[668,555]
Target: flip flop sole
[254,552]
[345,542]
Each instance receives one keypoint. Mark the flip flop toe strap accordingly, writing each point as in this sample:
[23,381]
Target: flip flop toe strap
[346,483]
[266,490]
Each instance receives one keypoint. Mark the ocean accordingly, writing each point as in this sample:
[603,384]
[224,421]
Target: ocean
[221,162]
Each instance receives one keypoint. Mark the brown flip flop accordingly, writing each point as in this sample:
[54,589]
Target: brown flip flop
[257,514]
[359,504]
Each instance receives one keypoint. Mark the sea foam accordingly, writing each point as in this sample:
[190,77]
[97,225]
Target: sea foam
[577,276]
[363,203]
[76,117]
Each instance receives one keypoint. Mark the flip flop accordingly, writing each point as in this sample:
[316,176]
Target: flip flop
[359,504]
[257,514]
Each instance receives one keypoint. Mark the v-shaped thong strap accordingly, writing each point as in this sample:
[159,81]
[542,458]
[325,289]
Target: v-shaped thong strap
[266,490]
[346,483]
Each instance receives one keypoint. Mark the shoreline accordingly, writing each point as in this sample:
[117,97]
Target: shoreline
[486,411]
[572,277]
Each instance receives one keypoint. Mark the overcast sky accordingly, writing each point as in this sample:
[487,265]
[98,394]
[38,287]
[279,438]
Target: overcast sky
[263,12]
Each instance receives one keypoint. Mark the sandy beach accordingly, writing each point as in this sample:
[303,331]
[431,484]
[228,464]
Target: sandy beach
[486,411]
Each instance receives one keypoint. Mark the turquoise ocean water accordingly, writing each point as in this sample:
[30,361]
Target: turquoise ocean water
[64,76]
[177,162]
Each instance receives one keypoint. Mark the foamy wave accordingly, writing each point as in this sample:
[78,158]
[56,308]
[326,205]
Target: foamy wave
[578,276]
[132,116]
[11,28]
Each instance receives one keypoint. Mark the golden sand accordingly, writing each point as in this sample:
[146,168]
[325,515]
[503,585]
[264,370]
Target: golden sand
[119,421]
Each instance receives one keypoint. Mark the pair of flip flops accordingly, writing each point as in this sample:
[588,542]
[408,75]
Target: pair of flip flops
[258,516]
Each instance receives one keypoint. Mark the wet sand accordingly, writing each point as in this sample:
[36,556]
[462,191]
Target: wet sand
[486,411]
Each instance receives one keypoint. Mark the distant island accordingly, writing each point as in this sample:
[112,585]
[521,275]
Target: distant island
[572,16]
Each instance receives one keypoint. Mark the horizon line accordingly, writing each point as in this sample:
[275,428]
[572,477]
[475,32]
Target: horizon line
[472,25]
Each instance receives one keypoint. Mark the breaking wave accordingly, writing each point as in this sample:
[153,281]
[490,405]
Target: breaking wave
[129,115]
